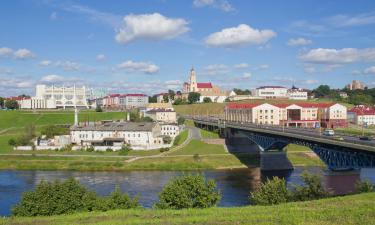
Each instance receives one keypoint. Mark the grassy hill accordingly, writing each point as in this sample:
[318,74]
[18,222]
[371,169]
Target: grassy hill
[354,209]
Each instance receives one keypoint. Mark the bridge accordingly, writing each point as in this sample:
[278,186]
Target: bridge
[347,153]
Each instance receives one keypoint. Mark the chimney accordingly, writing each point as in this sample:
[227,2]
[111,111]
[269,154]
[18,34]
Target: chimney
[75,117]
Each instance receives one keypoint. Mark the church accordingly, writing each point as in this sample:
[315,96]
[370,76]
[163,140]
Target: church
[205,89]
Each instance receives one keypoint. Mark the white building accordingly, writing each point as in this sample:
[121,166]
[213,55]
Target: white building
[297,94]
[271,92]
[140,136]
[170,129]
[162,115]
[362,115]
[49,97]
[130,101]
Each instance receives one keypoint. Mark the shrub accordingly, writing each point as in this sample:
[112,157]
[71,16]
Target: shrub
[181,120]
[207,100]
[176,140]
[12,142]
[164,149]
[67,147]
[98,109]
[312,188]
[90,149]
[109,150]
[364,186]
[116,200]
[167,139]
[197,158]
[124,150]
[188,192]
[271,192]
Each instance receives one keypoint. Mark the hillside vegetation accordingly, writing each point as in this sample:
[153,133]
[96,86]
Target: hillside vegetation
[354,209]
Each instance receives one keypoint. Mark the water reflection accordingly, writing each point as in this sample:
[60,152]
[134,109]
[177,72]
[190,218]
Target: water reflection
[234,185]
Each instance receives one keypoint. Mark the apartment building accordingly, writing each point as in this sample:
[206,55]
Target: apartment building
[362,115]
[269,92]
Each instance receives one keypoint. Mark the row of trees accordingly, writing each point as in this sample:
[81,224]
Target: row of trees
[189,191]
[355,97]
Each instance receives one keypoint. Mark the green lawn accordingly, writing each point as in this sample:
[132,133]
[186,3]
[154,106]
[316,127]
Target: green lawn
[199,147]
[297,148]
[209,134]
[179,139]
[352,209]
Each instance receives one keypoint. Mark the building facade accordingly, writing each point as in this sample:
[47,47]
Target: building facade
[356,85]
[130,101]
[162,115]
[362,115]
[289,115]
[270,92]
[297,94]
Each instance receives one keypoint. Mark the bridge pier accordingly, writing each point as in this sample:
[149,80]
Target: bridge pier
[274,161]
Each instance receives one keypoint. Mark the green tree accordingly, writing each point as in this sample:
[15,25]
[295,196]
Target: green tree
[242,92]
[271,192]
[179,101]
[364,186]
[171,94]
[98,108]
[180,120]
[189,191]
[207,100]
[166,98]
[312,188]
[322,91]
[52,130]
[152,99]
[116,200]
[167,139]
[193,97]
[1,102]
[11,104]
[360,99]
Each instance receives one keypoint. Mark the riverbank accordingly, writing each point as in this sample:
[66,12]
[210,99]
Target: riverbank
[353,209]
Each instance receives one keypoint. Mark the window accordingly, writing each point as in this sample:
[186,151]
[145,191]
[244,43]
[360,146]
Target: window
[266,111]
[260,111]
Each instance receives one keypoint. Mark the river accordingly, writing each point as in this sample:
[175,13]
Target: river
[234,185]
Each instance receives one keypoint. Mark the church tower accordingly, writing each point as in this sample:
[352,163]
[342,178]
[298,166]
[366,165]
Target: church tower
[193,81]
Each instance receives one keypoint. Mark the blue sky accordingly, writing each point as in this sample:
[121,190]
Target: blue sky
[150,46]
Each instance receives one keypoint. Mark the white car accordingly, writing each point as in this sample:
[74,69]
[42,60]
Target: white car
[329,132]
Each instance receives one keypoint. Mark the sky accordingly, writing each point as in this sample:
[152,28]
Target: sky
[150,46]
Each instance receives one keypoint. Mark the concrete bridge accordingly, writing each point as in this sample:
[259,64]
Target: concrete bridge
[347,153]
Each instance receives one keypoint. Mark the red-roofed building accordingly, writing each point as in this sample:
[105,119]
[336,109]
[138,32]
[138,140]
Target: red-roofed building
[329,115]
[362,115]
[206,89]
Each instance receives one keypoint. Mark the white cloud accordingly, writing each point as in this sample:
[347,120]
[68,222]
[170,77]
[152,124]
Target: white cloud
[356,20]
[6,52]
[241,66]
[246,75]
[223,5]
[53,16]
[45,63]
[144,67]
[67,65]
[9,83]
[338,56]
[215,69]
[310,82]
[263,66]
[370,70]
[173,84]
[23,54]
[239,36]
[299,42]
[52,78]
[5,71]
[150,26]
[100,57]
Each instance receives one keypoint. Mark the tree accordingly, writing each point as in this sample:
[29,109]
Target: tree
[152,99]
[166,98]
[190,191]
[364,186]
[242,92]
[52,130]
[171,94]
[207,100]
[193,97]
[167,139]
[312,188]
[360,99]
[180,120]
[271,192]
[11,104]
[322,91]
[179,101]
[1,102]
[98,108]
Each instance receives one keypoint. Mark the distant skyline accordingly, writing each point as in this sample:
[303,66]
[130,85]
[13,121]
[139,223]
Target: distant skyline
[150,46]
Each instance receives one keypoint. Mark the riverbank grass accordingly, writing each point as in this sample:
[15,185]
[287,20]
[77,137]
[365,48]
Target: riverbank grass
[353,209]
[302,156]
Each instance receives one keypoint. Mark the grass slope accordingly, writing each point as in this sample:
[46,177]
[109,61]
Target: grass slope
[354,209]
[209,134]
[199,147]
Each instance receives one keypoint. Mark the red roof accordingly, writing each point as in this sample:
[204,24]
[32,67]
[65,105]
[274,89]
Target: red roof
[135,95]
[114,95]
[363,111]
[280,105]
[242,105]
[204,85]
[17,98]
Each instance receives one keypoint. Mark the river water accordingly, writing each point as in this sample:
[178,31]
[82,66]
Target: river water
[234,185]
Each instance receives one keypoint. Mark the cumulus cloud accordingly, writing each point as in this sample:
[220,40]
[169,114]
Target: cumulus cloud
[57,79]
[370,70]
[150,26]
[100,57]
[53,16]
[45,63]
[299,42]
[338,56]
[246,75]
[215,69]
[67,65]
[241,66]
[239,36]
[144,67]
[223,5]
[22,53]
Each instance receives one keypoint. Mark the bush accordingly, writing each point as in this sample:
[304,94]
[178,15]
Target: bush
[164,149]
[124,150]
[67,148]
[188,192]
[271,192]
[109,150]
[53,130]
[167,139]
[12,142]
[90,149]
[176,140]
[98,109]
[197,158]
[54,198]
[364,186]
[207,100]
[312,188]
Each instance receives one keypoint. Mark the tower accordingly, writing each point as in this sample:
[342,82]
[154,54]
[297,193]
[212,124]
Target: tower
[193,80]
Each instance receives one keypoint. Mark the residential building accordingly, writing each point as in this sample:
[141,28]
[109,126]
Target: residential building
[270,92]
[151,106]
[343,94]
[144,135]
[356,85]
[362,115]
[130,101]
[295,115]
[170,129]
[295,93]
[111,101]
[204,89]
[162,115]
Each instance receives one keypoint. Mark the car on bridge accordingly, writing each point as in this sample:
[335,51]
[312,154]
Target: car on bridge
[329,132]
[365,138]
